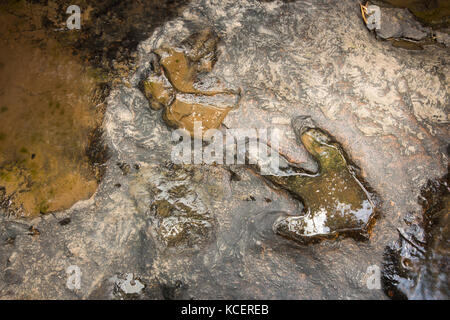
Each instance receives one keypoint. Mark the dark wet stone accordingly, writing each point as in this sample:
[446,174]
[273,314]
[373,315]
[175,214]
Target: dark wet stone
[417,265]
[126,286]
[174,291]
[335,198]
[400,23]
[65,221]
[435,13]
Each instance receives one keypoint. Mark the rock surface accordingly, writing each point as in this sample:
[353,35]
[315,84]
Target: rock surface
[400,23]
[387,107]
[417,265]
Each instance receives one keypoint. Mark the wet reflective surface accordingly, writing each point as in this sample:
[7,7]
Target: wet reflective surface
[336,201]
[154,230]
[417,265]
[180,218]
[179,81]
[48,103]
[432,12]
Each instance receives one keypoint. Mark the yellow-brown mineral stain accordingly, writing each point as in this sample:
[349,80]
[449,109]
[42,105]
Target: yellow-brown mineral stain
[184,114]
[180,83]
[160,90]
[180,71]
[46,117]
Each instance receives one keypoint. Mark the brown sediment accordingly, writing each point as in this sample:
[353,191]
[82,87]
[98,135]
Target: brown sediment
[54,82]
[179,83]
[179,70]
[186,110]
[408,45]
[159,91]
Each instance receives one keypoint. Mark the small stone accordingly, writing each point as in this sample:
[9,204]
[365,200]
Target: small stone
[400,23]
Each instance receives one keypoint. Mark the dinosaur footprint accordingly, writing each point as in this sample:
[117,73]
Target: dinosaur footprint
[336,202]
[181,83]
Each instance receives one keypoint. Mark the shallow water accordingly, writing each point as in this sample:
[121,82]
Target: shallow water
[48,112]
[335,199]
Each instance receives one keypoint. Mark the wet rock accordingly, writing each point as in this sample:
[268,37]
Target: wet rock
[126,286]
[189,108]
[174,291]
[417,265]
[399,26]
[179,81]
[386,107]
[124,167]
[400,23]
[158,91]
[10,230]
[336,200]
[12,278]
[178,216]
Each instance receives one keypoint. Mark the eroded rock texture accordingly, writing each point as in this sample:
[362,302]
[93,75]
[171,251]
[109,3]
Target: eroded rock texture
[387,107]
[435,13]
[168,195]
